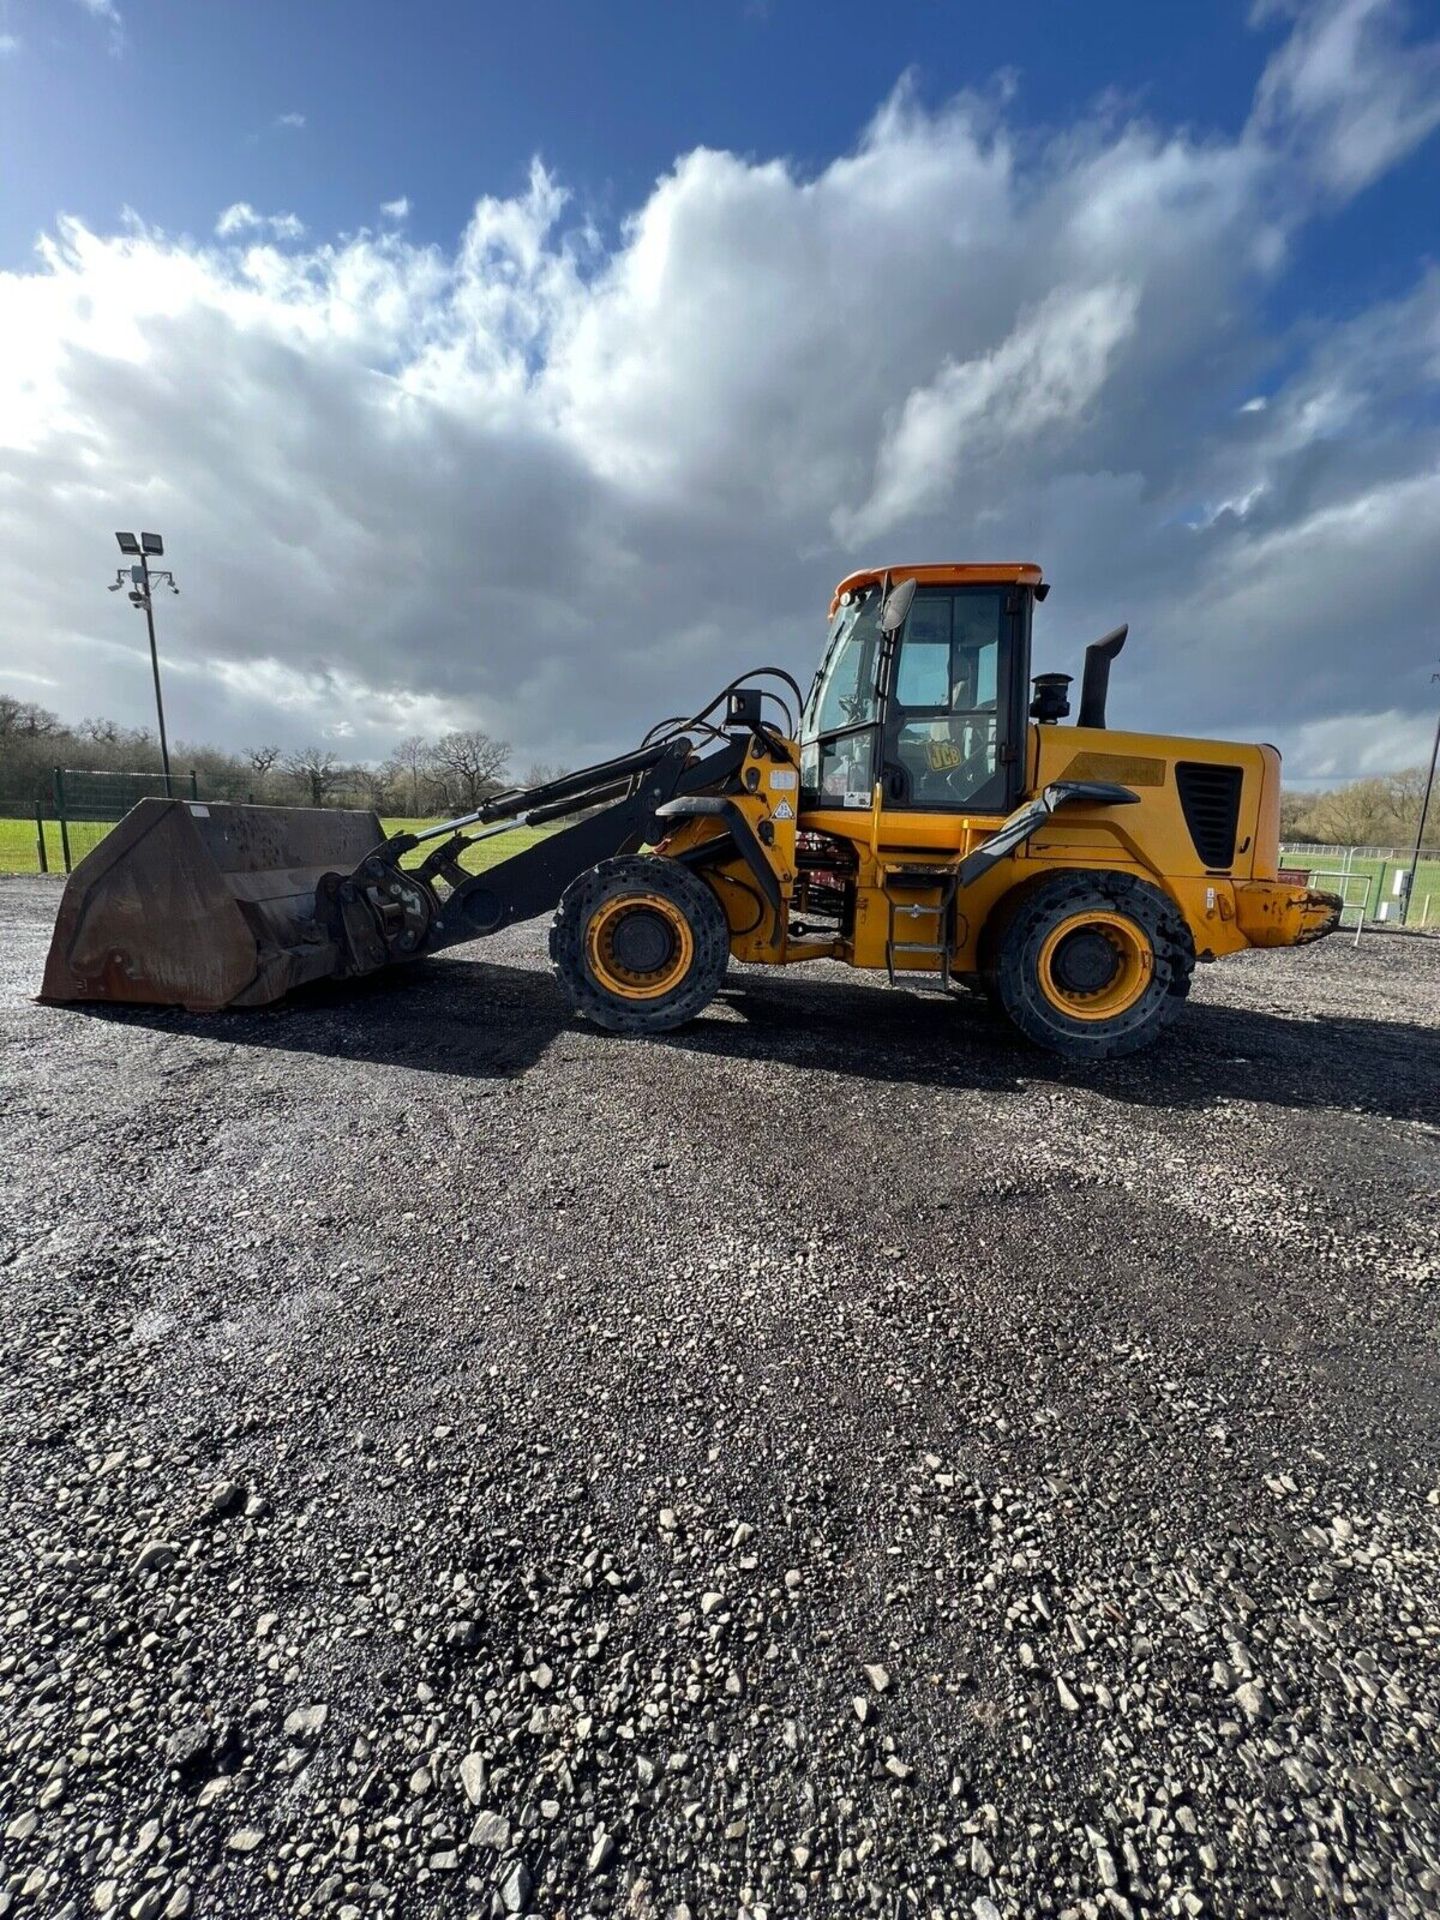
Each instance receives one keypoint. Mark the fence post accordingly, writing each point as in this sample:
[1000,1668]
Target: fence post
[194,786]
[60,814]
[40,838]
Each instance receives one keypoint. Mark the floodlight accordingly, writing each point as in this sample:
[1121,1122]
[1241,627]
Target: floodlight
[142,583]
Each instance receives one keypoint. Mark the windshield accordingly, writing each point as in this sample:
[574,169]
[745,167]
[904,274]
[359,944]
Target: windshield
[844,691]
[837,734]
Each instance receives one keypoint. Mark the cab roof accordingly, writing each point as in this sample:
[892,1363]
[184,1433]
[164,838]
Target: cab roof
[1002,573]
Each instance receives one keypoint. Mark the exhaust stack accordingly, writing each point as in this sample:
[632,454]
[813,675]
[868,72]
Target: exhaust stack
[1096,684]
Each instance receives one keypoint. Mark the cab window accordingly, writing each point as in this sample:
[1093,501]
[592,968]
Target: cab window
[942,743]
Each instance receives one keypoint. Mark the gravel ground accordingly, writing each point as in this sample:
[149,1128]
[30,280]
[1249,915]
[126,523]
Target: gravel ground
[826,1461]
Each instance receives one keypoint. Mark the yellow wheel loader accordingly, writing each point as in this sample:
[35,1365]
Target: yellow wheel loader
[922,813]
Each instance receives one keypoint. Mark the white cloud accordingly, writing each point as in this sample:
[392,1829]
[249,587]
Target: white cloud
[562,489]
[1043,377]
[1346,88]
[295,120]
[242,218]
[9,43]
[395,209]
[1352,746]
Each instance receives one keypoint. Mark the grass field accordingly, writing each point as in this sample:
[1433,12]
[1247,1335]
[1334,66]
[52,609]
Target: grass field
[1326,870]
[474,859]
[19,852]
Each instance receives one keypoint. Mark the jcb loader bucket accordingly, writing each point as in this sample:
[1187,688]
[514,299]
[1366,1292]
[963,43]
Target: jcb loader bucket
[203,906]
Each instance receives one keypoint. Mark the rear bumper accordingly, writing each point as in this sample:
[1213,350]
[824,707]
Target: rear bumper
[1277,913]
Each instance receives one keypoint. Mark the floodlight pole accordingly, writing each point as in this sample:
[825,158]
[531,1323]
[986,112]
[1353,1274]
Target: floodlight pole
[141,596]
[155,669]
[1424,811]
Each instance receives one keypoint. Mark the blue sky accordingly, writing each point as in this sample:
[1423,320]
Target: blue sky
[183,109]
[1145,291]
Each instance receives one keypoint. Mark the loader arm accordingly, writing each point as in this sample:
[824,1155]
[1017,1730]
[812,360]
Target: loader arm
[383,912]
[211,905]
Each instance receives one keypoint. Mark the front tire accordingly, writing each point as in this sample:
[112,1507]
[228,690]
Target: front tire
[1090,966]
[640,944]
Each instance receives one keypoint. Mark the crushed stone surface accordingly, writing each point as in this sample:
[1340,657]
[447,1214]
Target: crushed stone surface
[831,1460]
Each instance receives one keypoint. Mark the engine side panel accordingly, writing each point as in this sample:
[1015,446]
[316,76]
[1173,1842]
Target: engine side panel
[1196,800]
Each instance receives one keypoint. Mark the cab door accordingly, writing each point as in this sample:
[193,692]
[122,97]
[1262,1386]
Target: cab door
[952,723]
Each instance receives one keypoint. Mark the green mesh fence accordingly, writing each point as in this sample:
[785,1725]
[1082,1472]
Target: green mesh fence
[88,803]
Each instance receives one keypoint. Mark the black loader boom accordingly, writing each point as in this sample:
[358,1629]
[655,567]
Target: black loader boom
[210,905]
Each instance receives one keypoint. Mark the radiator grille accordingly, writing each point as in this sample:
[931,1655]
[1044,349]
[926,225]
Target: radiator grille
[1210,798]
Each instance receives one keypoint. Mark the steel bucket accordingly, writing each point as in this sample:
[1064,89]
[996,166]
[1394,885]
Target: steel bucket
[203,905]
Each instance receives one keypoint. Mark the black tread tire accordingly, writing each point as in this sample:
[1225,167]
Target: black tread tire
[1012,945]
[640,873]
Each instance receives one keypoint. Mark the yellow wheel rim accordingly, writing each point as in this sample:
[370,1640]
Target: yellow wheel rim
[1095,966]
[639,946]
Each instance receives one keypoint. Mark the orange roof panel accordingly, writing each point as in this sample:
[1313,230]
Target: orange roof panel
[1006,573]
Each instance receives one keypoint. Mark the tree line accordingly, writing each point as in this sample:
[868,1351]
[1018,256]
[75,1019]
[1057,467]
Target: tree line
[420,778]
[1383,811]
[453,774]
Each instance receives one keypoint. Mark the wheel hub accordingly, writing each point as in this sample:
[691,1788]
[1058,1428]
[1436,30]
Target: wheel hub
[639,947]
[1086,962]
[1095,964]
[641,941]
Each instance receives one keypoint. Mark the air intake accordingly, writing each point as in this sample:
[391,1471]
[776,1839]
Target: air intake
[1210,799]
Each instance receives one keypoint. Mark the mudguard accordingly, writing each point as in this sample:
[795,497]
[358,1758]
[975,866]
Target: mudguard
[1032,816]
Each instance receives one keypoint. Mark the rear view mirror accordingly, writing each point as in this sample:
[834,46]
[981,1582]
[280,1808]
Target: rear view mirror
[897,605]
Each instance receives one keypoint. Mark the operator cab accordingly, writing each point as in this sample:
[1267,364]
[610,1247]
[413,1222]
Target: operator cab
[933,709]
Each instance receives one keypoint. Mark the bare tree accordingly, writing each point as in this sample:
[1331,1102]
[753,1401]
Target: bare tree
[540,772]
[262,759]
[316,771]
[409,763]
[471,764]
[1294,812]
[1380,811]
[23,717]
[1360,814]
[1407,794]
[372,784]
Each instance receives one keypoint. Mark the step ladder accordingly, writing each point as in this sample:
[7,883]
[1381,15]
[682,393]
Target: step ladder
[935,888]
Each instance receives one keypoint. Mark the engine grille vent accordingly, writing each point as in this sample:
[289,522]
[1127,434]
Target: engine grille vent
[1210,798]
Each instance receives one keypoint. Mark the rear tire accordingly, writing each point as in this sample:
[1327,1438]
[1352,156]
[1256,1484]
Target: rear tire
[1089,965]
[640,944]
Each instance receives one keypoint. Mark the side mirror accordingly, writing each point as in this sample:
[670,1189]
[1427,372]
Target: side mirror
[897,605]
